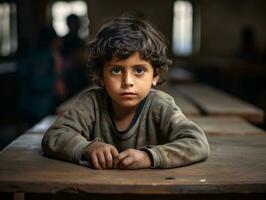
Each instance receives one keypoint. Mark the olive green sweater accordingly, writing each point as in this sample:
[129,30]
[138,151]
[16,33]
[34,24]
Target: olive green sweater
[161,129]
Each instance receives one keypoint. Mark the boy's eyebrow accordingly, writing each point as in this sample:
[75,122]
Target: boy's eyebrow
[119,65]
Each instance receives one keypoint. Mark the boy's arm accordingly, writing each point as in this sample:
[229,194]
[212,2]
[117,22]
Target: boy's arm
[68,137]
[186,144]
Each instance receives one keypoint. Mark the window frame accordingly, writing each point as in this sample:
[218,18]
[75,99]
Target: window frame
[196,29]
[84,33]
[13,35]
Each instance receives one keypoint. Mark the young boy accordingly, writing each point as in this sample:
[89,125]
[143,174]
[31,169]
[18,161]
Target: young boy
[125,124]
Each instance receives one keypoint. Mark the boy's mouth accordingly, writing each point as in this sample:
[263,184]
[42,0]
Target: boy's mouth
[128,94]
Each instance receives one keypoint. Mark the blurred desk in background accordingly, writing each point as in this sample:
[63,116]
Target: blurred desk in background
[224,125]
[212,101]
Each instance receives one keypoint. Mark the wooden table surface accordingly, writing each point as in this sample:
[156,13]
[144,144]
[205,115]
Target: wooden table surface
[212,101]
[236,165]
[188,108]
[226,125]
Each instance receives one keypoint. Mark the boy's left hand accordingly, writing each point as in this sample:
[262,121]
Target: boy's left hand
[132,159]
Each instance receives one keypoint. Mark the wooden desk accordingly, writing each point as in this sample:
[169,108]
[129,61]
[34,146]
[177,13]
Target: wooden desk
[212,101]
[177,75]
[224,125]
[186,106]
[236,169]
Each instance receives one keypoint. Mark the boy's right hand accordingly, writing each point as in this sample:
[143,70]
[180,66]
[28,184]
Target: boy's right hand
[101,155]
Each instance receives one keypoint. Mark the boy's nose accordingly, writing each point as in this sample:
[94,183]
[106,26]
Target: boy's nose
[127,80]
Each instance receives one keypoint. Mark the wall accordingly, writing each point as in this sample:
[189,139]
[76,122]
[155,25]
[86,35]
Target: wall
[221,20]
[31,18]
[158,12]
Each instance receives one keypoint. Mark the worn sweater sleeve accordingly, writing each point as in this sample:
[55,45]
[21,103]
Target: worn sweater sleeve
[186,142]
[70,134]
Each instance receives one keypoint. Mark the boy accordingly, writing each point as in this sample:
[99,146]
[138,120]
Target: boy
[125,124]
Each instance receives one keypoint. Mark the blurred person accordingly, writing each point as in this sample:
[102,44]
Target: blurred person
[75,54]
[248,49]
[40,78]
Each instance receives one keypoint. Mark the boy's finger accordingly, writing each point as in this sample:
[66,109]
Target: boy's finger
[101,159]
[108,159]
[123,164]
[122,155]
[95,162]
[114,152]
[133,165]
[115,162]
[118,158]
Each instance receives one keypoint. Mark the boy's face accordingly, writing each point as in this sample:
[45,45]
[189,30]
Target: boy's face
[128,81]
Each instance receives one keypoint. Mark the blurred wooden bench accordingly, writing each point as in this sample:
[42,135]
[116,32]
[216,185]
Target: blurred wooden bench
[43,125]
[235,170]
[177,75]
[224,125]
[186,106]
[212,101]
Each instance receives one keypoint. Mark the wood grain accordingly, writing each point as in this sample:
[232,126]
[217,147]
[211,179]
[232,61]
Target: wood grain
[216,102]
[236,165]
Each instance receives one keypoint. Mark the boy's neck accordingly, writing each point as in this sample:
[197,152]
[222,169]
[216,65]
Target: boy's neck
[123,116]
[121,112]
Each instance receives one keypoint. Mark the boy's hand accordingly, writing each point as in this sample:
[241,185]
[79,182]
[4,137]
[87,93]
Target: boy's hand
[101,155]
[132,159]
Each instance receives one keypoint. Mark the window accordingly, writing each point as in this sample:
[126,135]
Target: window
[8,29]
[182,28]
[60,11]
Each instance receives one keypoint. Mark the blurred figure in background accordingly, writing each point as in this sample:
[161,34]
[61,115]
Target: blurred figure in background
[75,57]
[248,49]
[40,78]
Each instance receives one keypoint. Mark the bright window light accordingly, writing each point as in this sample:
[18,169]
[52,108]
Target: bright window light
[182,28]
[8,29]
[60,11]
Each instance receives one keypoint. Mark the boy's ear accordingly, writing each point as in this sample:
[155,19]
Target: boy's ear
[101,82]
[155,80]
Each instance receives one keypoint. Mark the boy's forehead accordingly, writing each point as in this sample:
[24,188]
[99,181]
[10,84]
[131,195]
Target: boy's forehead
[134,58]
[135,55]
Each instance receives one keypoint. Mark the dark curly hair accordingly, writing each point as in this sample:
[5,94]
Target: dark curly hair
[120,38]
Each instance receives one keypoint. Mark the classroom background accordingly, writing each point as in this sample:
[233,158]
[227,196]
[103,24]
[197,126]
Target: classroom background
[220,43]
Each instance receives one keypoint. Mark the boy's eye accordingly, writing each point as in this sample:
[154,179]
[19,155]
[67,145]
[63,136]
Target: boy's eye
[116,70]
[139,70]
